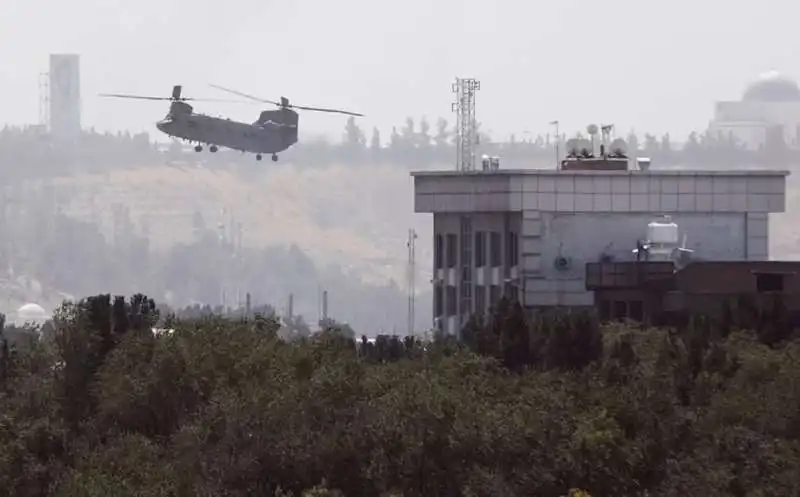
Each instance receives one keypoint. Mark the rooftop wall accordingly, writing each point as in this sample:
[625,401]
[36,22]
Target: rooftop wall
[606,191]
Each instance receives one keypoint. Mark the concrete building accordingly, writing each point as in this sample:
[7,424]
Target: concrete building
[65,96]
[768,111]
[528,234]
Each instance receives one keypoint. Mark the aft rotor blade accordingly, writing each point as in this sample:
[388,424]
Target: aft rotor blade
[138,97]
[245,95]
[323,109]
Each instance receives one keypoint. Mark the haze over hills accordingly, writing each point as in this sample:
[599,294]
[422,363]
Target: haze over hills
[357,216]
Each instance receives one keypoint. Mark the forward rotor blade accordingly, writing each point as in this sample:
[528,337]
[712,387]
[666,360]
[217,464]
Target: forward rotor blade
[138,97]
[224,100]
[323,109]
[245,95]
[182,99]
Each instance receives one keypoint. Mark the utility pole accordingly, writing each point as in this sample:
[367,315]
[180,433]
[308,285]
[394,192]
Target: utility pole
[412,287]
[557,144]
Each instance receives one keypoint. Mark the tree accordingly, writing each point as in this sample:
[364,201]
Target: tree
[443,136]
[650,145]
[633,143]
[424,136]
[353,137]
[375,142]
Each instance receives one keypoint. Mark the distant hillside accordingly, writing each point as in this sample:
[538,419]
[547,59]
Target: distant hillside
[356,216]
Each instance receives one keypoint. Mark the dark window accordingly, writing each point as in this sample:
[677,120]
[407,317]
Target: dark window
[452,250]
[605,310]
[512,292]
[620,310]
[513,249]
[451,303]
[494,294]
[438,252]
[495,249]
[480,298]
[766,282]
[480,249]
[438,304]
[636,310]
[466,289]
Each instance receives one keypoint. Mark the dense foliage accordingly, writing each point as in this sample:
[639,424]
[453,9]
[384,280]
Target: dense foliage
[101,405]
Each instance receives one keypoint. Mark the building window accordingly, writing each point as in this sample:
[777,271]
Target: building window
[494,294]
[769,282]
[438,252]
[512,292]
[480,298]
[438,304]
[620,310]
[495,249]
[636,310]
[513,249]
[451,302]
[480,249]
[452,250]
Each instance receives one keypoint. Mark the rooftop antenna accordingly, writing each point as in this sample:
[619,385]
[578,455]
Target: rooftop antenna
[606,130]
[466,125]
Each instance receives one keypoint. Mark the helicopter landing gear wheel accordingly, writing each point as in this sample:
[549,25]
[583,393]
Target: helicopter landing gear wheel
[258,156]
[274,157]
[198,148]
[212,148]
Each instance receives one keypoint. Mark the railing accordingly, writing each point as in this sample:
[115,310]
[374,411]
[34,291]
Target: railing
[629,275]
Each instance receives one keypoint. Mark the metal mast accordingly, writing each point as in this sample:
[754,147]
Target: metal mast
[467,129]
[412,287]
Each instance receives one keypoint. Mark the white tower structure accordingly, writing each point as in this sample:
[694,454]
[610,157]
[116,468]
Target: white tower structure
[65,96]
[467,129]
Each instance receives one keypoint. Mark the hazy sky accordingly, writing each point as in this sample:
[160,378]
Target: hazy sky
[652,66]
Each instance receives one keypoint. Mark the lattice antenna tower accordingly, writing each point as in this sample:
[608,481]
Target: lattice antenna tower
[44,99]
[466,125]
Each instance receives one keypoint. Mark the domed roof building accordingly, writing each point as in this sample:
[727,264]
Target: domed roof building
[768,113]
[31,313]
[772,86]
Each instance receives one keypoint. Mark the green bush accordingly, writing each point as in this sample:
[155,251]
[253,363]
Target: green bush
[520,406]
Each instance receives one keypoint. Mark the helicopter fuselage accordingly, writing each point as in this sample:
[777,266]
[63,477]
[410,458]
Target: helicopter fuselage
[273,132]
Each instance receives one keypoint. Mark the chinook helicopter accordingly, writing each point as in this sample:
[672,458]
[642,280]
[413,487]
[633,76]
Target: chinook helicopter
[273,132]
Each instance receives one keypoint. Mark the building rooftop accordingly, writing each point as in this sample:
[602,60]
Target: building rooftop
[772,86]
[651,172]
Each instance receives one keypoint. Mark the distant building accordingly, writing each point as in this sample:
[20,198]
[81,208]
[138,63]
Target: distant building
[768,112]
[65,96]
[528,234]
[31,314]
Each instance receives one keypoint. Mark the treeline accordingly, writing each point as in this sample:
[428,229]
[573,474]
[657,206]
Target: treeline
[415,144]
[522,406]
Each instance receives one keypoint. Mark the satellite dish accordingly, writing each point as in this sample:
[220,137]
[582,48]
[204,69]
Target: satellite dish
[619,147]
[585,146]
[591,129]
